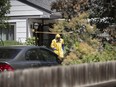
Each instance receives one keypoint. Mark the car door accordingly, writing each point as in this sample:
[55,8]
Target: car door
[40,57]
[49,57]
[32,58]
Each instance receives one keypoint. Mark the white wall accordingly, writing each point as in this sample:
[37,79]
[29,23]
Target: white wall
[19,9]
[21,29]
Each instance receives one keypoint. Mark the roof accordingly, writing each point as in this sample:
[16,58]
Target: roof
[45,5]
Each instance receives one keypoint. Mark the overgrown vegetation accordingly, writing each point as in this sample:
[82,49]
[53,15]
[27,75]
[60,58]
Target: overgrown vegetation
[107,55]
[9,43]
[96,8]
[82,40]
[30,41]
[80,44]
[4,9]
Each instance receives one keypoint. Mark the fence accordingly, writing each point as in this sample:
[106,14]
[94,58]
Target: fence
[83,75]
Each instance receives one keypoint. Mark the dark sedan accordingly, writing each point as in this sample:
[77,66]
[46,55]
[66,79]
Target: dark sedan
[21,57]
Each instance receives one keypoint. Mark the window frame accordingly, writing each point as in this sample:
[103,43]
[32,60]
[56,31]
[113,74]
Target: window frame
[5,33]
[49,52]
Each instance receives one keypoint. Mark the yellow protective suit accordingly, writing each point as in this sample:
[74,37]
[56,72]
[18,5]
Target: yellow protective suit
[57,46]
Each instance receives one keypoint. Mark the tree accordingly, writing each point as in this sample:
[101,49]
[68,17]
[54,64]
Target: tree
[4,9]
[102,8]
[96,8]
[104,11]
[69,8]
[76,31]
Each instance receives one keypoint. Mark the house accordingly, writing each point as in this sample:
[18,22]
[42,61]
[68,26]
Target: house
[23,14]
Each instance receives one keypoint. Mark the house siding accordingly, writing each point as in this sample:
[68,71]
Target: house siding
[20,29]
[23,15]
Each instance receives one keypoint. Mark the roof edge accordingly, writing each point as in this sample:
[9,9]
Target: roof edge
[36,6]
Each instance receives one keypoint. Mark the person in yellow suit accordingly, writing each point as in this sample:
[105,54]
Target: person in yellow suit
[57,45]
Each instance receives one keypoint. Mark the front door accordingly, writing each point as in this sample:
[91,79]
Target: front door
[44,36]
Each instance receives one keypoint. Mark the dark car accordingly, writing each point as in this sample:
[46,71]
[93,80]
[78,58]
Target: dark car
[21,57]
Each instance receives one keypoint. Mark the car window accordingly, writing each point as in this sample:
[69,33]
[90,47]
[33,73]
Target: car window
[8,53]
[33,54]
[48,55]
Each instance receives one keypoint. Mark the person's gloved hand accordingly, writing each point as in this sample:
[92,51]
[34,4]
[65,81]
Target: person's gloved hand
[54,48]
[63,46]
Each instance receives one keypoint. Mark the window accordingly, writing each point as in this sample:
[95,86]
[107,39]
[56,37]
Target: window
[7,34]
[40,55]
[34,54]
[31,55]
[8,53]
[48,56]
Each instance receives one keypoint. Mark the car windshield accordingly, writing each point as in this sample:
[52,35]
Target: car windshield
[8,53]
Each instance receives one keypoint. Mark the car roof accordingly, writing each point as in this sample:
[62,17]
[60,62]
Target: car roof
[21,47]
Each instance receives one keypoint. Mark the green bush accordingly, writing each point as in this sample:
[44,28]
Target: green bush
[1,42]
[8,43]
[108,54]
[30,41]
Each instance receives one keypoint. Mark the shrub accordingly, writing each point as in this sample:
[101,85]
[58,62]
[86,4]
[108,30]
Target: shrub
[84,48]
[30,41]
[70,58]
[85,55]
[8,43]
